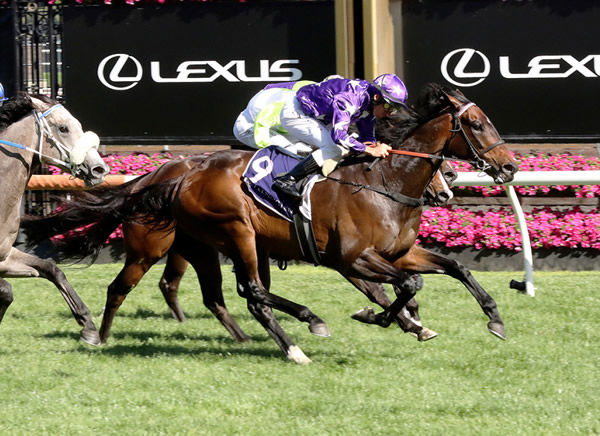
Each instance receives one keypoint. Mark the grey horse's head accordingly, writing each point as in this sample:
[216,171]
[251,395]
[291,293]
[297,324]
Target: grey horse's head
[66,145]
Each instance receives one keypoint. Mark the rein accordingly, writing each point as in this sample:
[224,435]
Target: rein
[457,127]
[398,198]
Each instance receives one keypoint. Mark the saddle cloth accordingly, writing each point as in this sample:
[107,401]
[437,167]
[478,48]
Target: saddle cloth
[266,164]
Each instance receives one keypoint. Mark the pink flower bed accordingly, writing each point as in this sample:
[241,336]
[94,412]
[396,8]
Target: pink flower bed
[498,228]
[133,164]
[456,227]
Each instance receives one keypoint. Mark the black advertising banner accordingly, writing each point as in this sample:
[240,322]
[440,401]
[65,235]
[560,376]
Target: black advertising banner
[182,73]
[7,51]
[534,67]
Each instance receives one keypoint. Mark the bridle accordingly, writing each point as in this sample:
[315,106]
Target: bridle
[477,161]
[44,132]
[457,127]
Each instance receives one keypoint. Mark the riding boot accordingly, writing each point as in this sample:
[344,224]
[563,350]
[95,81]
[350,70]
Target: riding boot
[286,184]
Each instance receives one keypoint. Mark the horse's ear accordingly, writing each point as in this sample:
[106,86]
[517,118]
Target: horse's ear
[38,104]
[453,100]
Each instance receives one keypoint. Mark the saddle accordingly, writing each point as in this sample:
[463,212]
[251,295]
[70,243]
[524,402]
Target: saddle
[267,164]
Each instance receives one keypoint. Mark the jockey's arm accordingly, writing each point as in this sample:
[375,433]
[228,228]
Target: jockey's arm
[344,107]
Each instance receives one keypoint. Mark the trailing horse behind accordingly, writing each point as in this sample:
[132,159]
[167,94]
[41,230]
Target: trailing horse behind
[36,130]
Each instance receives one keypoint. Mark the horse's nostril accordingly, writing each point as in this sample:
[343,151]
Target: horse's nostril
[99,170]
[450,177]
[510,168]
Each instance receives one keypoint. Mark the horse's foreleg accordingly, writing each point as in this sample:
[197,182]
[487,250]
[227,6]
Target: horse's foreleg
[316,325]
[264,315]
[19,264]
[169,283]
[117,291]
[250,287]
[205,261]
[6,297]
[423,261]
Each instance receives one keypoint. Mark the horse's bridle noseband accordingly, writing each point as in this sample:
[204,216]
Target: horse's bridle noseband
[45,132]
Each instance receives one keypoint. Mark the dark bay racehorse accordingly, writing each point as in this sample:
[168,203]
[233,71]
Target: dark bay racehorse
[364,223]
[145,245]
[36,130]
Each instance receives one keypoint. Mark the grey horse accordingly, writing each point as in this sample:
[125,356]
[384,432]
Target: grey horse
[36,130]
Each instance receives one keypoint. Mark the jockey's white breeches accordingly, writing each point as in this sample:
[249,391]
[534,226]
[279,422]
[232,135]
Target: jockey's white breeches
[243,128]
[303,128]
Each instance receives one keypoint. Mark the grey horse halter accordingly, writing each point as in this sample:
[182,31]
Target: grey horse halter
[44,131]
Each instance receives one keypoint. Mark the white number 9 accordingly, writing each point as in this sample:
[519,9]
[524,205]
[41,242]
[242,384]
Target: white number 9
[260,169]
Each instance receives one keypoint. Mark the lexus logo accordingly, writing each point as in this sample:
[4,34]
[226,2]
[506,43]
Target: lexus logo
[461,59]
[121,72]
[469,67]
[115,65]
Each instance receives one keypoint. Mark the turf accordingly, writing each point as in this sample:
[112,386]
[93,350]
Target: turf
[157,376]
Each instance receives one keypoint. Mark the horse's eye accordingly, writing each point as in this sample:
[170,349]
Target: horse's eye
[63,129]
[477,125]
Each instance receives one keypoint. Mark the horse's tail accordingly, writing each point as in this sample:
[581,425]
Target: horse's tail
[82,225]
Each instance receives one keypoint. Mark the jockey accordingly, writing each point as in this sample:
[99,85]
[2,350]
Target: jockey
[321,114]
[2,96]
[259,126]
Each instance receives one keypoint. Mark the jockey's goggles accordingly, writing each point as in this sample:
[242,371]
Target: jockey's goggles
[390,107]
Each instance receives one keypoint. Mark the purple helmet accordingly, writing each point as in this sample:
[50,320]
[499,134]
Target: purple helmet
[2,97]
[392,89]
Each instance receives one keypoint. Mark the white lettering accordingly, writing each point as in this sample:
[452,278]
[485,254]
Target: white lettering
[193,71]
[543,67]
[276,68]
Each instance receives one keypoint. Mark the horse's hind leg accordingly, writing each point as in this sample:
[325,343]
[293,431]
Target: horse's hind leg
[376,293]
[6,297]
[169,283]
[117,291]
[19,264]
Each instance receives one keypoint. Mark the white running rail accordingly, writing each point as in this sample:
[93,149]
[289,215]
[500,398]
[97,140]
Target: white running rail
[527,178]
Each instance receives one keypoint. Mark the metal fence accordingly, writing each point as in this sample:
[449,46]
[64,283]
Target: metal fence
[39,48]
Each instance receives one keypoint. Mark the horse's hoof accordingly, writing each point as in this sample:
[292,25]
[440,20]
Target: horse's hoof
[178,316]
[366,315]
[295,354]
[426,334]
[91,337]
[497,329]
[319,329]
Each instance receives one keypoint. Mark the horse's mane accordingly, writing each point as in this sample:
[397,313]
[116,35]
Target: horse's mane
[19,106]
[431,101]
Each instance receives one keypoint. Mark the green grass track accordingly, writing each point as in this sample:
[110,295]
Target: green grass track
[156,376]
